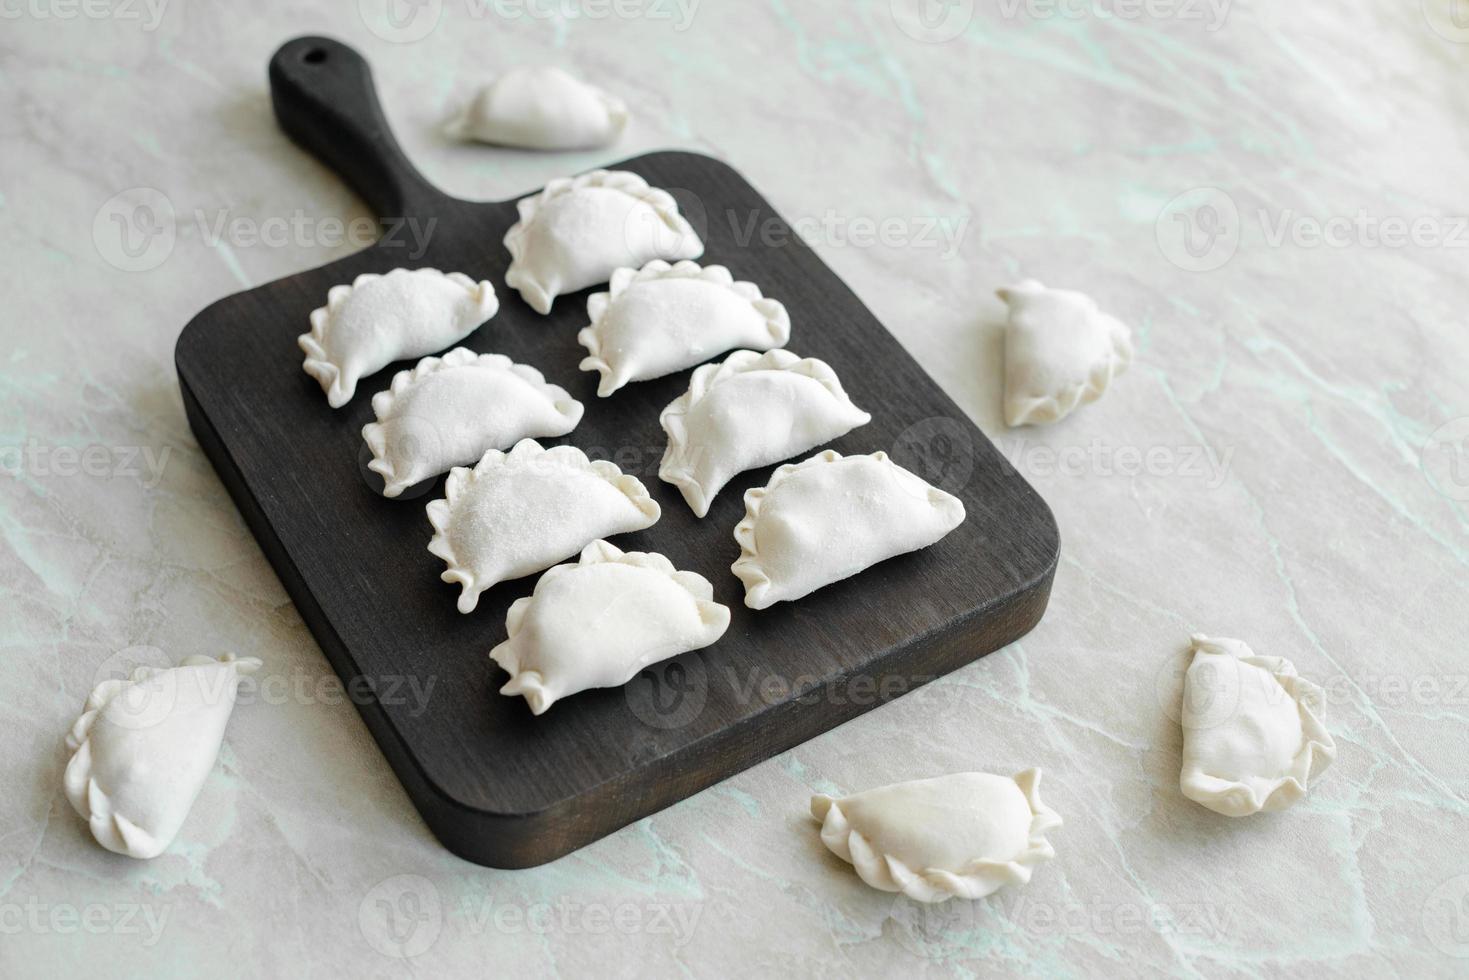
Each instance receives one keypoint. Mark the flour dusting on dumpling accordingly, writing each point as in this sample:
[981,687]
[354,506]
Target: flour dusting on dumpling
[380,319]
[965,835]
[521,512]
[1061,352]
[750,411]
[541,108]
[1253,730]
[664,318]
[448,411]
[579,230]
[599,621]
[831,516]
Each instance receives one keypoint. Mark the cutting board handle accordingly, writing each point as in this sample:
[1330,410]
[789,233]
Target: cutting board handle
[324,100]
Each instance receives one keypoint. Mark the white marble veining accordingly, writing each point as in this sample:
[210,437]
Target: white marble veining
[1271,194]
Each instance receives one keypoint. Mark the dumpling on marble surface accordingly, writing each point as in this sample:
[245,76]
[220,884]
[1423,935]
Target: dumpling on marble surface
[831,516]
[380,319]
[579,230]
[1253,730]
[750,411]
[447,411]
[597,622]
[143,747]
[964,835]
[663,318]
[521,512]
[541,108]
[1061,352]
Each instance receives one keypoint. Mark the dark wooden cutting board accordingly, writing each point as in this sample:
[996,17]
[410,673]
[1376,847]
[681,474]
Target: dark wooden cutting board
[495,784]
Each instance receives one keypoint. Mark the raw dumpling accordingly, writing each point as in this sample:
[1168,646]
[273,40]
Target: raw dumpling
[578,230]
[960,836]
[380,319]
[144,746]
[519,512]
[825,519]
[751,411]
[541,109]
[448,411]
[665,318]
[1061,352]
[1253,735]
[600,621]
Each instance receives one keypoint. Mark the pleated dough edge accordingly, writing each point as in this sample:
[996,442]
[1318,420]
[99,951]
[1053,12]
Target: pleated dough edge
[328,374]
[383,402]
[535,293]
[975,880]
[1044,410]
[703,380]
[1232,798]
[441,512]
[111,829]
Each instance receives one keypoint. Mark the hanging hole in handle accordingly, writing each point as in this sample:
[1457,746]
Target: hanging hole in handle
[315,56]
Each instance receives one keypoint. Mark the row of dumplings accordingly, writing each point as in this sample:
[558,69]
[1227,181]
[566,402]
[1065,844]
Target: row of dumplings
[521,507]
[1253,737]
[578,232]
[599,621]
[144,745]
[1061,352]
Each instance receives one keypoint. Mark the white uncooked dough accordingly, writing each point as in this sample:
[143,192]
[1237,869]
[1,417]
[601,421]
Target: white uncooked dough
[143,747]
[960,836]
[447,411]
[831,516]
[520,512]
[1253,730]
[597,622]
[1061,352]
[664,318]
[380,319]
[579,230]
[541,108]
[750,411]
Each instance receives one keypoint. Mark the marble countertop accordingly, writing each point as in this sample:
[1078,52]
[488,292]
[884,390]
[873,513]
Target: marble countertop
[1271,194]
